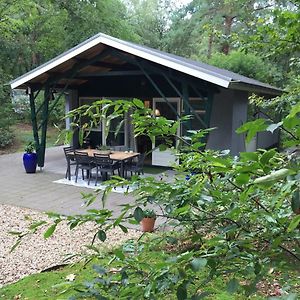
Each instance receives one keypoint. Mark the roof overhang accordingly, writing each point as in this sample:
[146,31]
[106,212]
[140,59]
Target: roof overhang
[219,77]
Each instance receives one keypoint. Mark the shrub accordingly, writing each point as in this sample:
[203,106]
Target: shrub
[6,137]
[249,65]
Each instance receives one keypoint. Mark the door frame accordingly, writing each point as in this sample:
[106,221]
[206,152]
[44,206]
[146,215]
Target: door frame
[179,109]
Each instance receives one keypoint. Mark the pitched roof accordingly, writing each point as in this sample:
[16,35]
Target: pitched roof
[214,75]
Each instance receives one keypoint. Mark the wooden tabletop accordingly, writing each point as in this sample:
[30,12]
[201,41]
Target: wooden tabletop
[114,155]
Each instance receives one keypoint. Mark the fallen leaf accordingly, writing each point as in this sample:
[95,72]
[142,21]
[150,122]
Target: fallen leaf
[70,277]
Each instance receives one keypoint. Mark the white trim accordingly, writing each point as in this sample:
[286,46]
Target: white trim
[57,62]
[121,45]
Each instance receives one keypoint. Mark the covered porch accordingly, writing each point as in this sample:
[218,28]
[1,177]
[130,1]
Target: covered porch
[106,67]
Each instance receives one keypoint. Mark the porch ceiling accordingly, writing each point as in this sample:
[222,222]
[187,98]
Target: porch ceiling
[71,71]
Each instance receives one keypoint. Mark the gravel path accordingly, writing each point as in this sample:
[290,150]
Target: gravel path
[35,253]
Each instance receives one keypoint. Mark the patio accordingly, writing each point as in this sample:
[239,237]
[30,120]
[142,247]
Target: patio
[24,195]
[39,192]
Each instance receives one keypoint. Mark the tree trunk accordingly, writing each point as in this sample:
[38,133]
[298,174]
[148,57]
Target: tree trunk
[210,44]
[228,21]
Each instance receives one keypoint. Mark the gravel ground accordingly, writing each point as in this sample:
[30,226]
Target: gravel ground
[35,253]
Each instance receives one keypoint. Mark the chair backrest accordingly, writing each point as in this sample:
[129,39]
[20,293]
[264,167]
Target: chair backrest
[141,159]
[82,157]
[102,159]
[69,153]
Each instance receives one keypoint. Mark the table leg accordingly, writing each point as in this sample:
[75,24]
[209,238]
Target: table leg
[122,169]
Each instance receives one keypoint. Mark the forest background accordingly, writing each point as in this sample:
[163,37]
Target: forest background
[258,39]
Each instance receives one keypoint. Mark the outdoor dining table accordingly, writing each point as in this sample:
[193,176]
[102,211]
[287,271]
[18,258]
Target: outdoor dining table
[120,156]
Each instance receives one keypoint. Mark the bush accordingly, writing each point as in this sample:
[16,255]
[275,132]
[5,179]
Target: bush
[249,65]
[6,137]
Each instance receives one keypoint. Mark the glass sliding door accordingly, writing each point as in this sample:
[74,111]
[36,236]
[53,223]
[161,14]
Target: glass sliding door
[162,108]
[113,131]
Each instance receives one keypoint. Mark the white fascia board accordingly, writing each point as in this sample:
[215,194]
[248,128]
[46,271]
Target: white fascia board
[56,62]
[167,62]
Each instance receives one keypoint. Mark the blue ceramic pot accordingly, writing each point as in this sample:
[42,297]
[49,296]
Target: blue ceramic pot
[29,161]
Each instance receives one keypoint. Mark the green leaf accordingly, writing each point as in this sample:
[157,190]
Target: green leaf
[50,231]
[118,128]
[295,110]
[294,223]
[198,263]
[162,147]
[252,156]
[252,128]
[15,232]
[35,225]
[138,103]
[123,228]
[181,292]
[265,158]
[119,253]
[242,179]
[101,235]
[296,202]
[16,244]
[274,176]
[233,286]
[138,214]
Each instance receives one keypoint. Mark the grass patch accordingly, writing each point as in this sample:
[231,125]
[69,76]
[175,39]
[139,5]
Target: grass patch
[55,284]
[23,135]
[47,285]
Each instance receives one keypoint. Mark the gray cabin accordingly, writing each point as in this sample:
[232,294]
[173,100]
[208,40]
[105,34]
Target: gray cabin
[107,67]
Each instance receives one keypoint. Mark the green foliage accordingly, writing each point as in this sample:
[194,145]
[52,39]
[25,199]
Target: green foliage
[101,276]
[6,137]
[30,147]
[149,213]
[249,65]
[238,215]
[144,120]
[150,20]
[6,112]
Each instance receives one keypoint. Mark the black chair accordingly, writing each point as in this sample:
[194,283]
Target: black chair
[70,158]
[135,166]
[85,163]
[104,165]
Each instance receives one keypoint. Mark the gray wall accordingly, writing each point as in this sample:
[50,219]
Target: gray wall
[267,139]
[229,111]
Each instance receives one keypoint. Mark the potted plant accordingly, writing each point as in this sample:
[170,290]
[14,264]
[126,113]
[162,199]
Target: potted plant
[103,149]
[30,158]
[148,220]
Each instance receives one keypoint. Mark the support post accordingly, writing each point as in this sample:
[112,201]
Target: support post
[45,115]
[208,109]
[34,120]
[186,106]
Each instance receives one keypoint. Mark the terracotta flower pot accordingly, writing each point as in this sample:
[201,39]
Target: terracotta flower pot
[148,224]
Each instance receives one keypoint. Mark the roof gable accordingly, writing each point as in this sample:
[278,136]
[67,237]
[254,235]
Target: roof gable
[214,75]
